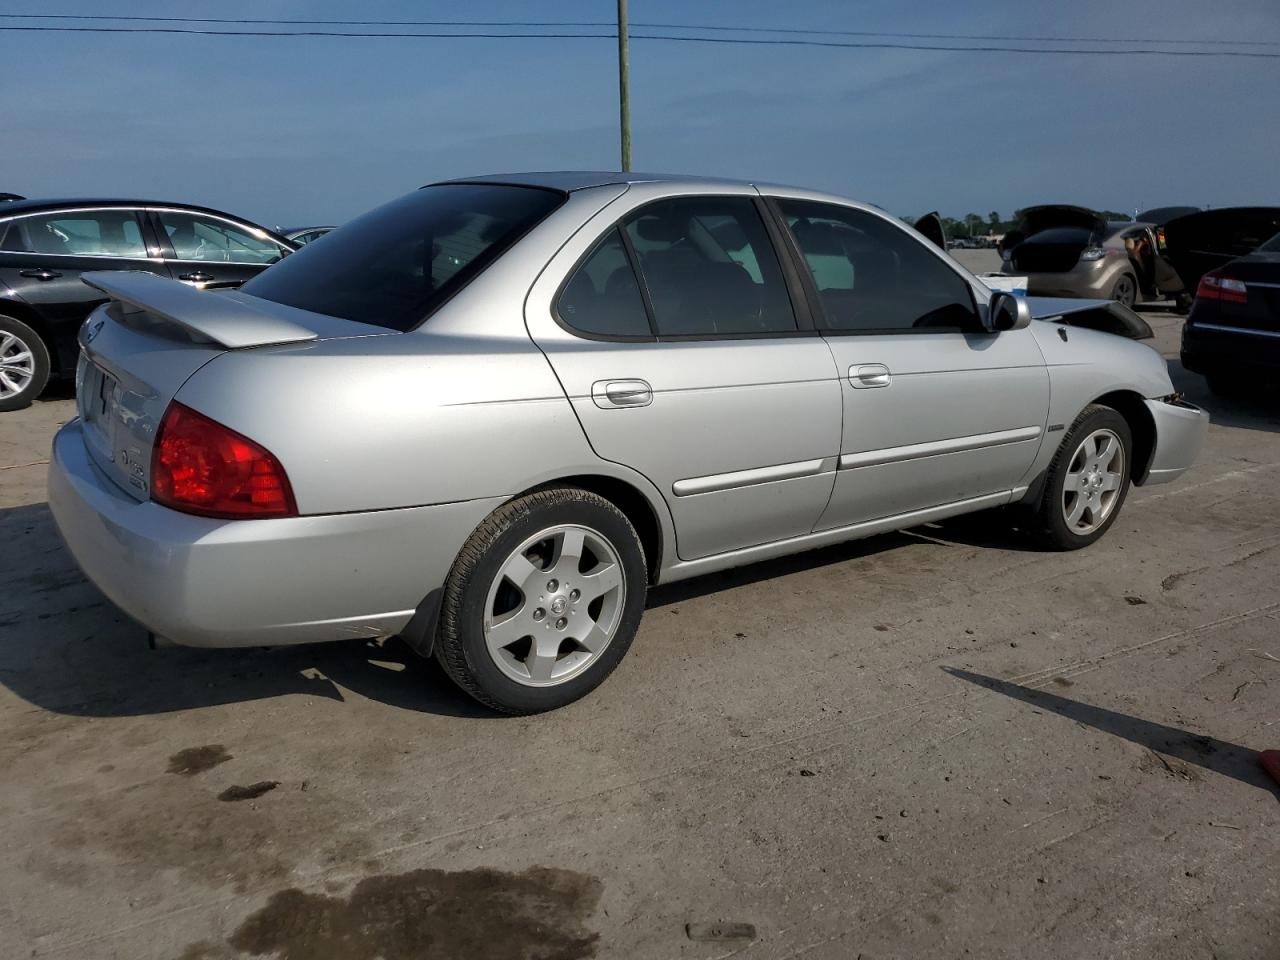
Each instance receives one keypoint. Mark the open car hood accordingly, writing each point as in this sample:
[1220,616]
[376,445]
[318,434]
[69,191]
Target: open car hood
[1200,242]
[1033,220]
[1105,315]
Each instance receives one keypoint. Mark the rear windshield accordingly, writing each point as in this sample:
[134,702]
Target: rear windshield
[1272,245]
[395,265]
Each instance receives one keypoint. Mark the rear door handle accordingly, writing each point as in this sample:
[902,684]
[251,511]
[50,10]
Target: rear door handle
[196,276]
[610,394]
[40,274]
[866,375]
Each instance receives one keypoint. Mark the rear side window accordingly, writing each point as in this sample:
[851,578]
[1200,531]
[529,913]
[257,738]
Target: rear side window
[88,233]
[395,265]
[207,239]
[602,297]
[710,268]
[873,277]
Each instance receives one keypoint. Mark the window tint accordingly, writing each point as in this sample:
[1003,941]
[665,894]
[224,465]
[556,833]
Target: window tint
[396,264]
[871,275]
[603,297]
[94,233]
[196,237]
[710,268]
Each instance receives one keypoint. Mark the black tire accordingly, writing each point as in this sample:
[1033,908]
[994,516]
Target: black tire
[29,342]
[1051,522]
[460,643]
[1125,289]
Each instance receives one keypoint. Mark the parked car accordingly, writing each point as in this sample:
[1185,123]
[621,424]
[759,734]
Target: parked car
[488,415]
[304,235]
[45,245]
[1232,334]
[1069,251]
[1202,241]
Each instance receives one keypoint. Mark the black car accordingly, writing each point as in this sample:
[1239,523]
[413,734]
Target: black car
[1232,334]
[46,244]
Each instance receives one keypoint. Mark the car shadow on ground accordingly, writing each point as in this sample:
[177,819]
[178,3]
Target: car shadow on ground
[1219,756]
[1258,410]
[65,648]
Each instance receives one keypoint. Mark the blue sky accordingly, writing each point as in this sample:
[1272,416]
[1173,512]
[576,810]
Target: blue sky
[293,130]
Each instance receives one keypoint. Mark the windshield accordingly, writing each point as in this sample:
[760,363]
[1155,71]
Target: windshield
[395,265]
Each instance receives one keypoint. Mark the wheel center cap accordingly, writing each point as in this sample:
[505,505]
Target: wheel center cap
[559,605]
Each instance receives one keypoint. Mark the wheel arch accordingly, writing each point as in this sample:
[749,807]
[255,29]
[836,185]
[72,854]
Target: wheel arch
[633,502]
[1129,404]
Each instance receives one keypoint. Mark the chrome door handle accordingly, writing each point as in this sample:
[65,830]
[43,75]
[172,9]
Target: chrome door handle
[870,375]
[197,276]
[40,274]
[609,394]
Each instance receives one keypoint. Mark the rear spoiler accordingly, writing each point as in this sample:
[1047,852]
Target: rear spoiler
[235,323]
[1105,315]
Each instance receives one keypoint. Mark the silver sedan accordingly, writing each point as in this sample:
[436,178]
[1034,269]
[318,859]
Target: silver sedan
[488,415]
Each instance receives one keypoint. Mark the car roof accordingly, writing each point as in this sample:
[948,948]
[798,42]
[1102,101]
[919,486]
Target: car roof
[67,203]
[570,180]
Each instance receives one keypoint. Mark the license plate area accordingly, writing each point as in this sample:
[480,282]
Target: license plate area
[97,395]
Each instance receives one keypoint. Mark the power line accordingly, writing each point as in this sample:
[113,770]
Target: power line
[847,45]
[594,24]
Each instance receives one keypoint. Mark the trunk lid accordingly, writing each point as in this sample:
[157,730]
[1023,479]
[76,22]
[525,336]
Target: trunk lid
[1201,242]
[137,351]
[1050,238]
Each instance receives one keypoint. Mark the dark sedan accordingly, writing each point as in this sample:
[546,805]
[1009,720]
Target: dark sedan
[46,244]
[1232,334]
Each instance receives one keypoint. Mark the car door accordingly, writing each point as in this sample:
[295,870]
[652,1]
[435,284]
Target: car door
[674,334]
[203,249]
[42,256]
[937,410]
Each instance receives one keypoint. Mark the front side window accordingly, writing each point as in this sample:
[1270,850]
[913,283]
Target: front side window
[201,238]
[710,268]
[90,233]
[873,276]
[602,298]
[393,266]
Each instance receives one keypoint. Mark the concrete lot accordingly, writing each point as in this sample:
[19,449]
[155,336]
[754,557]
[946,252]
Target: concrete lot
[939,743]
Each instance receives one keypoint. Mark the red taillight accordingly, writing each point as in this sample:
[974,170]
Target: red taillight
[1215,286]
[200,466]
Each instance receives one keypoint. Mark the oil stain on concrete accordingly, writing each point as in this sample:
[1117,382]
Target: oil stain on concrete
[195,760]
[537,914]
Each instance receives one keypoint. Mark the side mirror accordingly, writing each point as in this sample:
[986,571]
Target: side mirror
[1007,312]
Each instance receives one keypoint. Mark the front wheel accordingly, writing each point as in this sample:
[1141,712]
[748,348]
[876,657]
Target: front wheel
[1087,481]
[543,601]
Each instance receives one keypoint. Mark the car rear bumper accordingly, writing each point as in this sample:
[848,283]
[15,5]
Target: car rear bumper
[1211,348]
[265,582]
[1091,280]
[1181,428]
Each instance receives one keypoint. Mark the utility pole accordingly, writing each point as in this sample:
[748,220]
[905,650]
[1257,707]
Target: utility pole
[624,86]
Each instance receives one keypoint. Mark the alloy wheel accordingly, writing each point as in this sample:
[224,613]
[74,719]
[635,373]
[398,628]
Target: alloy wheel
[1093,483]
[554,605]
[17,365]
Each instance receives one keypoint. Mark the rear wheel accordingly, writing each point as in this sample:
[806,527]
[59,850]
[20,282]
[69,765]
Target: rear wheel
[1125,290]
[543,601]
[1087,481]
[24,364]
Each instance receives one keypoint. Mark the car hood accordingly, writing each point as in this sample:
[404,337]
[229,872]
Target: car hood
[1106,316]
[1200,242]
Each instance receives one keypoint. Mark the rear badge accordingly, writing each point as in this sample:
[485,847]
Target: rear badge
[93,331]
